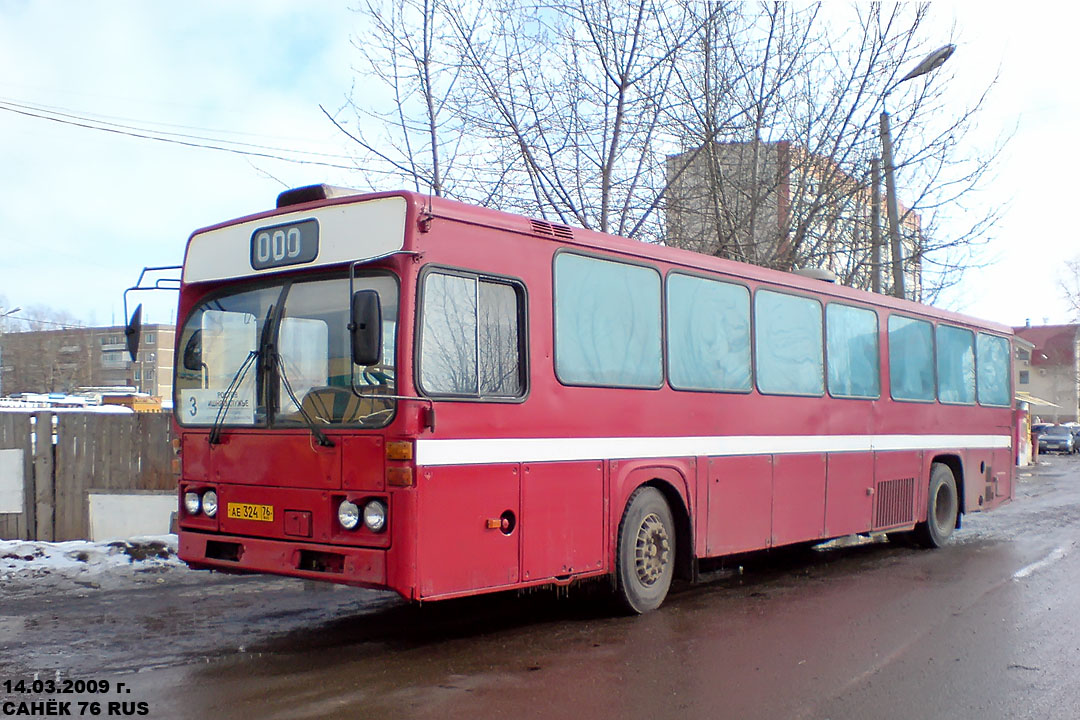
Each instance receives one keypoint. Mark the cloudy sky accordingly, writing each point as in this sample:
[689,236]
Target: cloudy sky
[83,211]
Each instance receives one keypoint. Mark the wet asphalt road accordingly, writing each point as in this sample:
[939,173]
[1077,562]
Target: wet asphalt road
[987,627]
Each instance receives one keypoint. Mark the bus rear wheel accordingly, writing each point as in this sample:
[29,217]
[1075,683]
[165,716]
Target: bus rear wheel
[943,504]
[645,556]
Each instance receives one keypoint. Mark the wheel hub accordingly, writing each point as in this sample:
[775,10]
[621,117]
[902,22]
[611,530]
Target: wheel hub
[652,550]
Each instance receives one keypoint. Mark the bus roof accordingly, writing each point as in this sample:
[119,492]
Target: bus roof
[419,208]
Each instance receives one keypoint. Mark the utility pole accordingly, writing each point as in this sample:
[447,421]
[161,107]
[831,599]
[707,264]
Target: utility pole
[875,225]
[931,62]
[892,209]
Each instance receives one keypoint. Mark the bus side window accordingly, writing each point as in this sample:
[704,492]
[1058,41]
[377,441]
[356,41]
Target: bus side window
[607,323]
[471,338]
[993,370]
[708,334]
[852,351]
[789,353]
[911,359]
[955,365]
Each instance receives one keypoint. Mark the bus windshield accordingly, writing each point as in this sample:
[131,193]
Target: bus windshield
[273,354]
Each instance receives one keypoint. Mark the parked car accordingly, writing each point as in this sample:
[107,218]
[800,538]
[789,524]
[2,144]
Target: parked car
[1058,438]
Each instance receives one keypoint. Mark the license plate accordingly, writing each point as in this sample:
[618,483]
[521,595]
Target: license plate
[245,511]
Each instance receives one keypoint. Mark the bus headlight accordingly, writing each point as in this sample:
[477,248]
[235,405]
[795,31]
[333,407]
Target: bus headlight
[348,515]
[192,503]
[375,516]
[209,503]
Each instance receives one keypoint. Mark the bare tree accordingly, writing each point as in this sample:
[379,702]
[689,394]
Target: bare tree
[557,110]
[723,199]
[1069,283]
[415,71]
[777,163]
[741,130]
[572,99]
[45,351]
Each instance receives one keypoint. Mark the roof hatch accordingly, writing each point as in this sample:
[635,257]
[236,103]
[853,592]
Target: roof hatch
[311,193]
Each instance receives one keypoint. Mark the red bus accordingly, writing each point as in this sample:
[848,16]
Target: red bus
[396,391]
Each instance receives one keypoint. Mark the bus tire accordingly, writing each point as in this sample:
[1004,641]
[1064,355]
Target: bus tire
[943,504]
[645,556]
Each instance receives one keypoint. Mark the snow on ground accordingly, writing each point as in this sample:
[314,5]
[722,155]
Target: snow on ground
[99,409]
[40,566]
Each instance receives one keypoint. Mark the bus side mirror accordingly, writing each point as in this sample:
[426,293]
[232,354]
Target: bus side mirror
[193,352]
[365,327]
[133,331]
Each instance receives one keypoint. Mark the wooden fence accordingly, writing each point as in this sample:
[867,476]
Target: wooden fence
[66,455]
[16,434]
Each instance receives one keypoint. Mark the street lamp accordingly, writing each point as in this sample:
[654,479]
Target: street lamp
[930,63]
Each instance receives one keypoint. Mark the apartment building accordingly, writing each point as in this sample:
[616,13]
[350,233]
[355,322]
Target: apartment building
[777,205]
[65,359]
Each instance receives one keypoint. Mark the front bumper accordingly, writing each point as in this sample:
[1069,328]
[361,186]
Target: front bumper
[362,567]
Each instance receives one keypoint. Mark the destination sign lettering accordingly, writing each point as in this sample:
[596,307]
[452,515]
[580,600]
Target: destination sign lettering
[283,245]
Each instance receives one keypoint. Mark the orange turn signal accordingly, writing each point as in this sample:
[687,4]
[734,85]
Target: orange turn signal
[399,450]
[399,477]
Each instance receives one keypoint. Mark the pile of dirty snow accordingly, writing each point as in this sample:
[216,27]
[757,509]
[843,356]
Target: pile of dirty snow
[26,564]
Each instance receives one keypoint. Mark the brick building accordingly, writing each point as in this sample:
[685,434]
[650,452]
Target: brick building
[1050,369]
[775,204]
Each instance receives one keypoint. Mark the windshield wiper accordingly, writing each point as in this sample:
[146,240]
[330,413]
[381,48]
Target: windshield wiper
[252,359]
[230,393]
[319,435]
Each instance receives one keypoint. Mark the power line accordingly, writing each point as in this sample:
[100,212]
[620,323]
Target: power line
[95,116]
[61,325]
[179,139]
[56,112]
[65,116]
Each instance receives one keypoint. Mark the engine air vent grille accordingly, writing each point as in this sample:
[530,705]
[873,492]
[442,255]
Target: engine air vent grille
[541,227]
[895,502]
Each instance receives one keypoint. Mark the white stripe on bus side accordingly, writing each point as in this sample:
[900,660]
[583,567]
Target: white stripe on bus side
[478,451]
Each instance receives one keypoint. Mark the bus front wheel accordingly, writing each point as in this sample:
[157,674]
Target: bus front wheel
[943,504]
[645,555]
